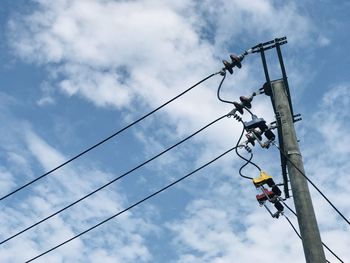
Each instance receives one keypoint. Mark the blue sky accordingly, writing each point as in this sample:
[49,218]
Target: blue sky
[73,72]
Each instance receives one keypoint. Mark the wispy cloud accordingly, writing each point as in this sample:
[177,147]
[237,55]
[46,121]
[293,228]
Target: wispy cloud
[123,240]
[131,56]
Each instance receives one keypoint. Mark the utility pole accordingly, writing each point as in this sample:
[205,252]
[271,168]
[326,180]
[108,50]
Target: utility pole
[278,91]
[309,231]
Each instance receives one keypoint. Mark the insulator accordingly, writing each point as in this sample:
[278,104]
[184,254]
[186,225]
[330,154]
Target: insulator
[267,89]
[239,107]
[236,61]
[250,138]
[279,206]
[276,190]
[269,135]
[246,101]
[228,66]
[248,148]
[237,117]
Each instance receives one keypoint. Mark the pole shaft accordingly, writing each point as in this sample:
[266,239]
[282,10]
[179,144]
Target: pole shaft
[309,231]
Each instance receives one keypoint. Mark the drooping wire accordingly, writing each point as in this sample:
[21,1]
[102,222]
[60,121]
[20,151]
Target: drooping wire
[288,207]
[227,101]
[250,112]
[132,206]
[242,167]
[242,157]
[291,224]
[219,88]
[329,250]
[247,161]
[309,180]
[295,230]
[106,139]
[112,181]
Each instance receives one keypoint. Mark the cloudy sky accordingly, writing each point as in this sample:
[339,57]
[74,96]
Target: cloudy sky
[73,72]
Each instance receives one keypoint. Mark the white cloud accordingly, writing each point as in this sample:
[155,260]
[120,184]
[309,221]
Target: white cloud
[334,118]
[197,233]
[207,235]
[136,54]
[47,156]
[121,53]
[122,239]
[6,180]
[323,41]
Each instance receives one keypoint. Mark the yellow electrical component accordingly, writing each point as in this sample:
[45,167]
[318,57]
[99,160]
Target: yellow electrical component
[263,178]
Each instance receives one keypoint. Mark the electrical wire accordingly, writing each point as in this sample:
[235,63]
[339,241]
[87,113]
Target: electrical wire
[112,181]
[290,209]
[307,178]
[219,88]
[329,250]
[247,161]
[227,101]
[296,230]
[132,206]
[240,138]
[291,224]
[106,139]
[240,169]
[250,112]
[242,157]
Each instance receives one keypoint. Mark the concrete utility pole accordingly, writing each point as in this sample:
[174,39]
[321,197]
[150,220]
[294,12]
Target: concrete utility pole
[309,231]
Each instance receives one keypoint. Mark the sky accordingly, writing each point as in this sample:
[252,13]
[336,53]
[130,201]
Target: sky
[73,72]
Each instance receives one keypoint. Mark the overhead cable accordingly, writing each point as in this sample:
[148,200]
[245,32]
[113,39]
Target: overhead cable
[112,181]
[106,139]
[130,207]
[291,224]
[247,161]
[242,157]
[309,180]
[329,250]
[219,88]
[245,104]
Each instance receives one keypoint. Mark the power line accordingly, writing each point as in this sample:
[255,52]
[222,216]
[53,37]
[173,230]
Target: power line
[112,181]
[291,224]
[318,190]
[106,139]
[219,88]
[247,160]
[242,157]
[244,165]
[130,207]
[290,209]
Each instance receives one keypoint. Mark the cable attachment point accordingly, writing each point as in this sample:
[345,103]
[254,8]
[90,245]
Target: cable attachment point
[273,195]
[233,114]
[266,89]
[248,149]
[246,103]
[253,135]
[255,128]
[235,61]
